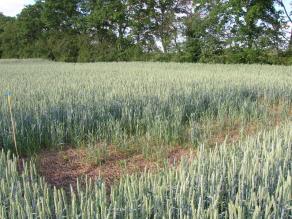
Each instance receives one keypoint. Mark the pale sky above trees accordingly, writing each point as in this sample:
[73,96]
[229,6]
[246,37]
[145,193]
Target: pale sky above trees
[13,7]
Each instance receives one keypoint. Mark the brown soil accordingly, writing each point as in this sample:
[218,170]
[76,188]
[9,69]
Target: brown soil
[232,134]
[175,155]
[62,168]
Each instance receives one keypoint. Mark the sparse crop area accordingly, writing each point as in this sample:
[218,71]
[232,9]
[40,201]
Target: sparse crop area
[154,140]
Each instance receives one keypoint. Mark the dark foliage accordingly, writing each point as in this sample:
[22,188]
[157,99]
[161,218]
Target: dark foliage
[209,31]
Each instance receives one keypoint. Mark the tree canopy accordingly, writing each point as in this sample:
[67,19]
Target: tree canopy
[223,31]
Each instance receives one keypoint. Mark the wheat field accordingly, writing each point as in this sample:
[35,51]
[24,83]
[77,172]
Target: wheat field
[236,119]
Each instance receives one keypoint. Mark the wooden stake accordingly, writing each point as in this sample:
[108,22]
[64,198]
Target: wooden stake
[12,123]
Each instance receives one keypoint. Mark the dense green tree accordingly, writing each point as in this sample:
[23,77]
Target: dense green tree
[257,23]
[4,21]
[8,37]
[107,22]
[207,29]
[61,15]
[155,22]
[289,17]
[64,27]
[228,31]
[141,24]
[167,16]
[31,29]
[219,29]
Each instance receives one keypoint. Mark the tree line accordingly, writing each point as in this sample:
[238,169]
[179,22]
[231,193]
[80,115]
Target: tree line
[211,31]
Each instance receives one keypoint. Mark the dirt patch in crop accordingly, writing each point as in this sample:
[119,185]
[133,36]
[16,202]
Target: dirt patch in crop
[62,168]
[175,155]
[231,134]
[237,131]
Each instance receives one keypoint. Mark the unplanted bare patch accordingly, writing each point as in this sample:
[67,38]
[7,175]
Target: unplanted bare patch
[62,168]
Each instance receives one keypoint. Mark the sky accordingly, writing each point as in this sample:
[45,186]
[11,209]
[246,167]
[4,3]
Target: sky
[14,7]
